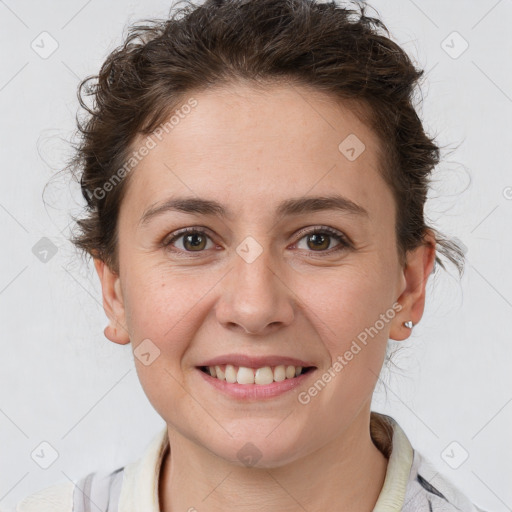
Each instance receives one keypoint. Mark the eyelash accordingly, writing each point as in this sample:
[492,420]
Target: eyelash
[344,242]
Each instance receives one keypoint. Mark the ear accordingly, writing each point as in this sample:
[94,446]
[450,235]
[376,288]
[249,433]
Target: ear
[419,265]
[113,303]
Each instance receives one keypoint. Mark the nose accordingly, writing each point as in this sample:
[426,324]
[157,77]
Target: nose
[255,298]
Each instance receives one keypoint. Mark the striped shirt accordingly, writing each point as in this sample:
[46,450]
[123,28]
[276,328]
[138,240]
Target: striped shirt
[411,484]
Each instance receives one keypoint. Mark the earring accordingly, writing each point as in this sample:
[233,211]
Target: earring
[408,324]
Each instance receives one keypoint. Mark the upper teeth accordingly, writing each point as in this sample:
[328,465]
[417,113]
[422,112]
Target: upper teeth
[244,375]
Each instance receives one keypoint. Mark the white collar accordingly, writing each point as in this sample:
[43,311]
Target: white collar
[141,478]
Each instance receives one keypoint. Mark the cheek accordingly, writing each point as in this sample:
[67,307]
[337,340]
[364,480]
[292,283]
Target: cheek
[344,303]
[347,317]
[168,308]
[352,315]
[156,300]
[163,309]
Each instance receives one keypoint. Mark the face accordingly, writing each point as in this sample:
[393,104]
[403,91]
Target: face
[276,275]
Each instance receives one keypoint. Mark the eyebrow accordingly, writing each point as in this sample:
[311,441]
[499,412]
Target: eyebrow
[290,207]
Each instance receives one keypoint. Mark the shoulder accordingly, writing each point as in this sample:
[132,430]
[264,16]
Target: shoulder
[100,488]
[57,498]
[429,490]
[412,483]
[130,487]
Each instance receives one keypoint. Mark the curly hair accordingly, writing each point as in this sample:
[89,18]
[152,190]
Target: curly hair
[329,47]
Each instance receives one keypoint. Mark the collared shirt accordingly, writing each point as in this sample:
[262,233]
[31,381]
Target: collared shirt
[411,484]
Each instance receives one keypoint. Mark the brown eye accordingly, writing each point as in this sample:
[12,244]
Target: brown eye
[195,242]
[319,240]
[192,240]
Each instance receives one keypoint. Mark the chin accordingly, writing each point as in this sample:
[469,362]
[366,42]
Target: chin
[258,450]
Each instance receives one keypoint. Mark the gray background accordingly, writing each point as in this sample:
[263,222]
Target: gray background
[64,383]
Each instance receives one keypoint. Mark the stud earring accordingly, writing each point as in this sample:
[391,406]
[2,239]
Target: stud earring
[408,324]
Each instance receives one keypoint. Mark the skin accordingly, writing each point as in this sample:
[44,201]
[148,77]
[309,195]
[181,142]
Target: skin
[250,149]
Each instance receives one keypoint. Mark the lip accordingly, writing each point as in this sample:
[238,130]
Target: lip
[255,361]
[256,391]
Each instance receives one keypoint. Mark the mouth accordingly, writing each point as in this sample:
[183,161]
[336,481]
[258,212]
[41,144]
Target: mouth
[247,384]
[261,376]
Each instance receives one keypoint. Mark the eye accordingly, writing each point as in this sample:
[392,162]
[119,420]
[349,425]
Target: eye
[193,240]
[319,239]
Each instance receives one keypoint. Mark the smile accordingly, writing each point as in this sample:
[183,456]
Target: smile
[258,376]
[258,384]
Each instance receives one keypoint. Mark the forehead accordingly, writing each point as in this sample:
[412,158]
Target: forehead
[253,147]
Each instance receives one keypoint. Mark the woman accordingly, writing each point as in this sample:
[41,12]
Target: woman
[255,176]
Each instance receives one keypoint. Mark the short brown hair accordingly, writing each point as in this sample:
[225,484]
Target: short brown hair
[332,48]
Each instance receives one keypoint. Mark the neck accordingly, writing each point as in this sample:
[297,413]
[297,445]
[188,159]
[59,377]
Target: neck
[348,471]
